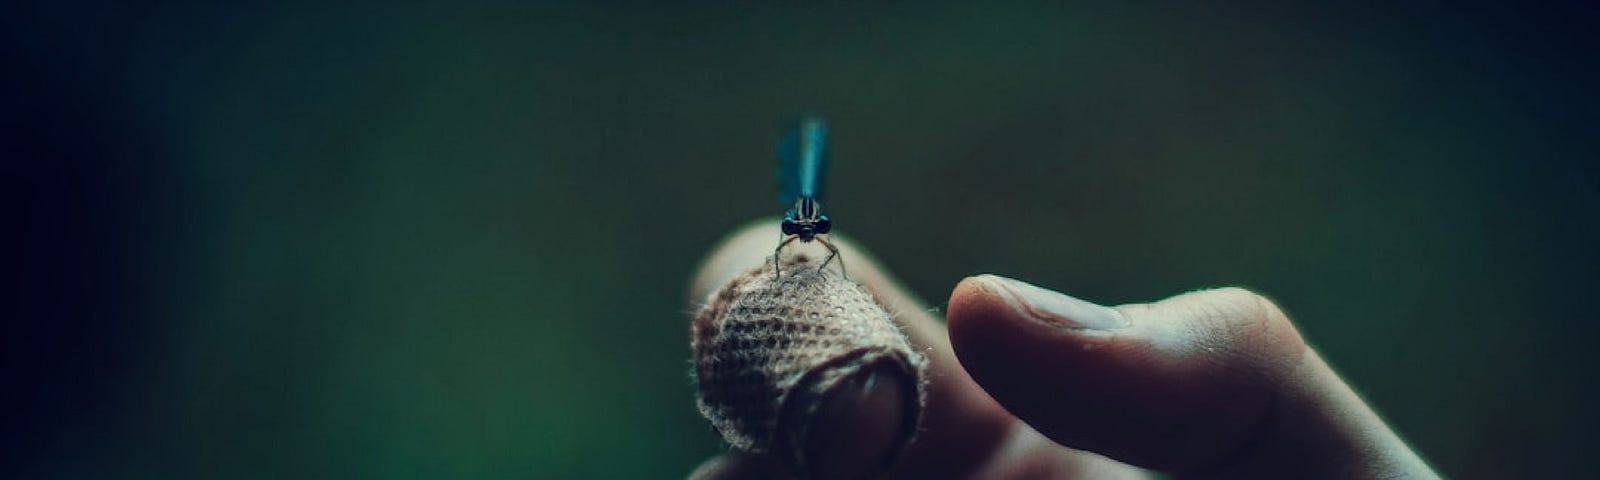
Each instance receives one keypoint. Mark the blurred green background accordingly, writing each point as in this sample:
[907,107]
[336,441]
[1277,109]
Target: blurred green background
[403,241]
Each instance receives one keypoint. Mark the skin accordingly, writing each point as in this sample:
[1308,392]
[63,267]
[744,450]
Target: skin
[1030,383]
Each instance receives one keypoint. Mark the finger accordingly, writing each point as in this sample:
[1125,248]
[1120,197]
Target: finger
[1210,383]
[961,425]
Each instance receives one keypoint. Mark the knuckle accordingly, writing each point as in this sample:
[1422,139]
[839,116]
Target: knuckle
[1242,305]
[1230,318]
[1260,333]
[1250,306]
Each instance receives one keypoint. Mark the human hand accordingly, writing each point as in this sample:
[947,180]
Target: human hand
[1027,382]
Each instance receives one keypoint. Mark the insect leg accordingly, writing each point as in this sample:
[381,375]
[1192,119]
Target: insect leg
[777,271]
[832,252]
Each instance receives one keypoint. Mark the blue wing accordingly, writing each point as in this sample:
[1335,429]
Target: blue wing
[803,160]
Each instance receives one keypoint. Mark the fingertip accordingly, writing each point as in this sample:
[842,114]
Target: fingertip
[1005,319]
[958,414]
[973,300]
[1155,386]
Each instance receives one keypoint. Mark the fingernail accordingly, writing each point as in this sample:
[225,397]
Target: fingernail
[859,426]
[1055,308]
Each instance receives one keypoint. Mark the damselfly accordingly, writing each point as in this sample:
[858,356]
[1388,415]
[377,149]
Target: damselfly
[802,166]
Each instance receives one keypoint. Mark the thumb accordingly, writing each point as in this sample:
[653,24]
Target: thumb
[1209,383]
